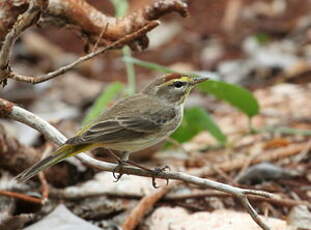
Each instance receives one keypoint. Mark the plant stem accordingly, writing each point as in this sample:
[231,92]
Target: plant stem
[121,7]
[130,70]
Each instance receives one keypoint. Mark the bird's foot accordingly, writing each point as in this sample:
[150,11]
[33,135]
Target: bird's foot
[156,172]
[118,169]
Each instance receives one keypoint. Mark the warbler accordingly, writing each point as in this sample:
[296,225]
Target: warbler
[131,124]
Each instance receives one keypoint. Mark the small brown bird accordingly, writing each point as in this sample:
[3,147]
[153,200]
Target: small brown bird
[131,124]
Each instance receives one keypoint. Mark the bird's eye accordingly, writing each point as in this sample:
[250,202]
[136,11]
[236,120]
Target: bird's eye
[178,84]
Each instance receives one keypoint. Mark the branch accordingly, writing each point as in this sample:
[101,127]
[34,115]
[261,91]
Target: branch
[19,114]
[144,206]
[30,17]
[117,44]
[20,196]
[81,16]
[109,31]
[80,194]
[95,24]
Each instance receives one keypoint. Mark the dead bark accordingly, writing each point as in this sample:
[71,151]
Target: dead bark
[81,16]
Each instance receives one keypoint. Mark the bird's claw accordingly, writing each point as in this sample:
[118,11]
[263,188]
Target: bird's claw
[156,172]
[117,177]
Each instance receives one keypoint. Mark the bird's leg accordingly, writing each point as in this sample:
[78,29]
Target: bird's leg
[124,160]
[157,171]
[129,162]
[119,166]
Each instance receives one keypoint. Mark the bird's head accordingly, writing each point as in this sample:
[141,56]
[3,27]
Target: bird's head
[173,88]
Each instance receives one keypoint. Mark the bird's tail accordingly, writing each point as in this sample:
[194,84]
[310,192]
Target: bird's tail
[60,154]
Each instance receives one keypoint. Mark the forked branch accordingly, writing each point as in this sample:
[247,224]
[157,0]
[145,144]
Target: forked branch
[97,27]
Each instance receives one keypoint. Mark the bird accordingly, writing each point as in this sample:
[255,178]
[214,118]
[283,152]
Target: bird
[131,124]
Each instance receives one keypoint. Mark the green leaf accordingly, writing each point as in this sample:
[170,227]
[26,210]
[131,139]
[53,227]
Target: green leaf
[107,96]
[237,96]
[195,121]
[120,6]
[262,38]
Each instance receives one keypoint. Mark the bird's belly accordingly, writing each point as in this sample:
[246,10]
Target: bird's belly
[139,144]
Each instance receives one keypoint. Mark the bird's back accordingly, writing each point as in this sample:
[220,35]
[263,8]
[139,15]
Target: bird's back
[132,124]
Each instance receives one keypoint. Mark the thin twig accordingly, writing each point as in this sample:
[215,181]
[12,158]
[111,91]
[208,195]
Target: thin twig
[44,187]
[42,178]
[20,196]
[51,133]
[144,206]
[130,30]
[68,195]
[251,211]
[281,202]
[99,38]
[117,44]
[27,19]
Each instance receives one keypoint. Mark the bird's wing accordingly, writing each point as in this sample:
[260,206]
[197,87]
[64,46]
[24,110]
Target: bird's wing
[121,128]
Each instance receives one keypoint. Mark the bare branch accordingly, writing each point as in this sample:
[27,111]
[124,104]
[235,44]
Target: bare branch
[54,135]
[21,196]
[30,17]
[81,16]
[80,194]
[251,211]
[109,31]
[145,205]
[117,44]
[93,22]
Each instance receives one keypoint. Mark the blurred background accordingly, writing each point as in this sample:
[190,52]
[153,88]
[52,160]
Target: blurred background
[253,130]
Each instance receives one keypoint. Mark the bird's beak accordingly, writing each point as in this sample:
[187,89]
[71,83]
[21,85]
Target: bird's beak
[199,79]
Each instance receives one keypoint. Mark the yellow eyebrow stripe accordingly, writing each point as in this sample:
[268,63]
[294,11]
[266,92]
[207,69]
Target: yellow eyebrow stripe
[183,78]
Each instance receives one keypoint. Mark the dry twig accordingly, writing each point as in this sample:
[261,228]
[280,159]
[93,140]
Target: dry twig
[27,19]
[20,196]
[112,33]
[198,195]
[117,44]
[44,183]
[81,16]
[144,206]
[16,113]
[66,194]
